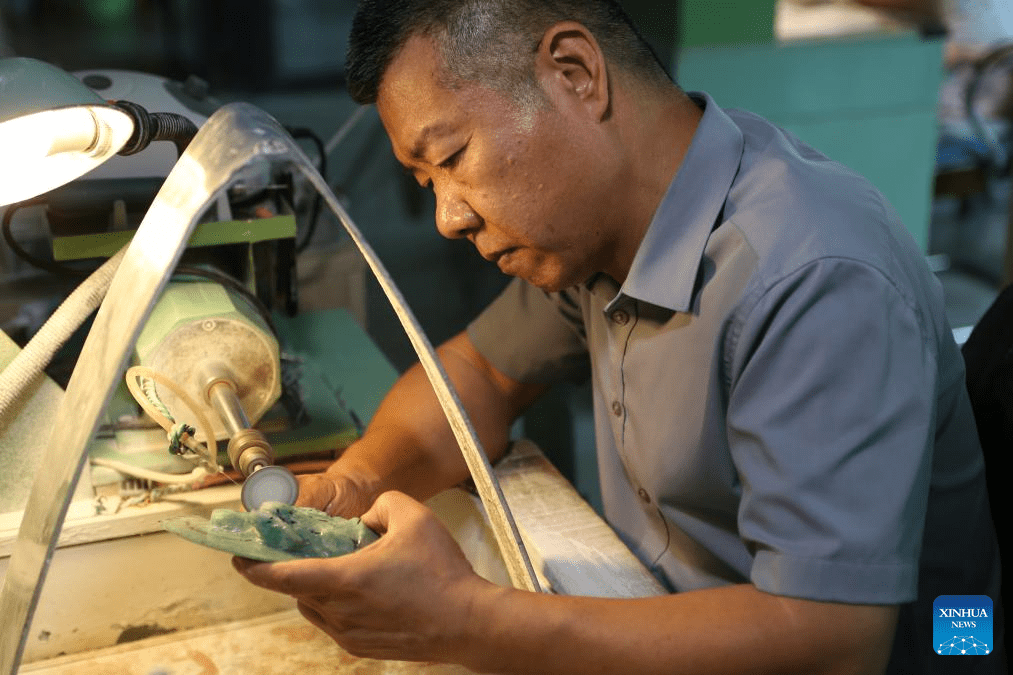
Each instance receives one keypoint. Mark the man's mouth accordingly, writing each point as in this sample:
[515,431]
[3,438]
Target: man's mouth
[507,261]
[495,256]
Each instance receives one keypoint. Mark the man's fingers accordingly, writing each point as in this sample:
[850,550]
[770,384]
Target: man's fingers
[311,615]
[332,494]
[332,628]
[308,577]
[378,516]
[389,507]
[315,492]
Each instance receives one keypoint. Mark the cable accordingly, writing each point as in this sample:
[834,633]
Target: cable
[325,151]
[311,225]
[45,265]
[227,281]
[166,422]
[64,270]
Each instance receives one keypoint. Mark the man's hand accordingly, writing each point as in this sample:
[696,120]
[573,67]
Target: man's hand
[333,493]
[407,596]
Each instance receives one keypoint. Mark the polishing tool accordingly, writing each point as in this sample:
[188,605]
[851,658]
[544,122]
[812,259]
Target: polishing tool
[248,450]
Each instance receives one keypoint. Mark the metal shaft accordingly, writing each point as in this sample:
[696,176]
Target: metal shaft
[248,448]
[225,401]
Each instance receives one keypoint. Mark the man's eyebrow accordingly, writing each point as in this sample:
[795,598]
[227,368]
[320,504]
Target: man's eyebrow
[418,149]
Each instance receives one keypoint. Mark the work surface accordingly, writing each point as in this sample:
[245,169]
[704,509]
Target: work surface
[240,647]
[140,581]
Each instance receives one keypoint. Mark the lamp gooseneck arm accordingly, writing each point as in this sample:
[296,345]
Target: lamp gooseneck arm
[149,127]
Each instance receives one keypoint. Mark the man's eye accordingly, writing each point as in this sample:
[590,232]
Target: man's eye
[453,160]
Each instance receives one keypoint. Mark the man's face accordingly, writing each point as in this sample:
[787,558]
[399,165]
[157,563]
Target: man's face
[526,185]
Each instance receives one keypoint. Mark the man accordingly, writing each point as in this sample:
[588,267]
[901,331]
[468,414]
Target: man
[779,404]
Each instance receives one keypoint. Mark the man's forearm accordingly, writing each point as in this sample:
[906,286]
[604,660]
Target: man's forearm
[409,445]
[733,629]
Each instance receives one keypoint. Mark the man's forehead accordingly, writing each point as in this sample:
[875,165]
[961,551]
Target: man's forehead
[417,103]
[415,67]
[410,92]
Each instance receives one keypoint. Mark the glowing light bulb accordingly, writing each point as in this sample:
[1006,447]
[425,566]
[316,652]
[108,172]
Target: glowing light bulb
[19,138]
[47,149]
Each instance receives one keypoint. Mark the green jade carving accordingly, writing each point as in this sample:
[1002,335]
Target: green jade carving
[274,532]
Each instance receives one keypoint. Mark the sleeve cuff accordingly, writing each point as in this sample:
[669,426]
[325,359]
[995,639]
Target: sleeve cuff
[853,583]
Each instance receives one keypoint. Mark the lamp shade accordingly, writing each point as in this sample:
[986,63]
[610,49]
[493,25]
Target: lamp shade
[53,129]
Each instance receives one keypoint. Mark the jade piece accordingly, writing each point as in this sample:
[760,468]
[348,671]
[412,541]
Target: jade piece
[274,532]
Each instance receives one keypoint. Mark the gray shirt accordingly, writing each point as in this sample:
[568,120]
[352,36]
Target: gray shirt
[778,397]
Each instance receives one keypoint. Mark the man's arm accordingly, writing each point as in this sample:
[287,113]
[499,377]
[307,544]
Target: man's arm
[733,629]
[409,445]
[412,595]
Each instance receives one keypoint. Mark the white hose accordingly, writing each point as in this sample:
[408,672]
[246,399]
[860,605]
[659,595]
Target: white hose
[30,362]
[203,421]
[195,476]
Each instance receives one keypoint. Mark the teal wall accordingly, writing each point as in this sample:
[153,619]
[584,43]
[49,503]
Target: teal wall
[869,103]
[866,101]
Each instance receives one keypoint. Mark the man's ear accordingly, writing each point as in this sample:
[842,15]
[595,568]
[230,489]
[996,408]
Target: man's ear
[569,62]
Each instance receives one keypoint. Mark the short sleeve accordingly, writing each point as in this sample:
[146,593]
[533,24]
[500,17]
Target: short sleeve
[533,336]
[830,423]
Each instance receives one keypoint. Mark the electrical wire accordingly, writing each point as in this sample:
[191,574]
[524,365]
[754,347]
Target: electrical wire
[324,150]
[314,215]
[188,270]
[45,265]
[232,284]
[65,270]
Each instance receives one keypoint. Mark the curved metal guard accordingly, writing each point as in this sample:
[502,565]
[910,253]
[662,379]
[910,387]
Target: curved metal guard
[239,139]
[511,547]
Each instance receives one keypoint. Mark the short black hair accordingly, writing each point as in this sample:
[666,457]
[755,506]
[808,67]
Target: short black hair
[492,41]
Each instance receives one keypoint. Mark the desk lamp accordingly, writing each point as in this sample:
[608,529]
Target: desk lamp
[53,129]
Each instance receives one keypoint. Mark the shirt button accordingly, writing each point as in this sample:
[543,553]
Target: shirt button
[642,493]
[617,408]
[621,317]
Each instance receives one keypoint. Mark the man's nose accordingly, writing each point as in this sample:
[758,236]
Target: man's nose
[454,216]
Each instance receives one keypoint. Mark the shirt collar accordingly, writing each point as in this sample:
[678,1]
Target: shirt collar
[664,269]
